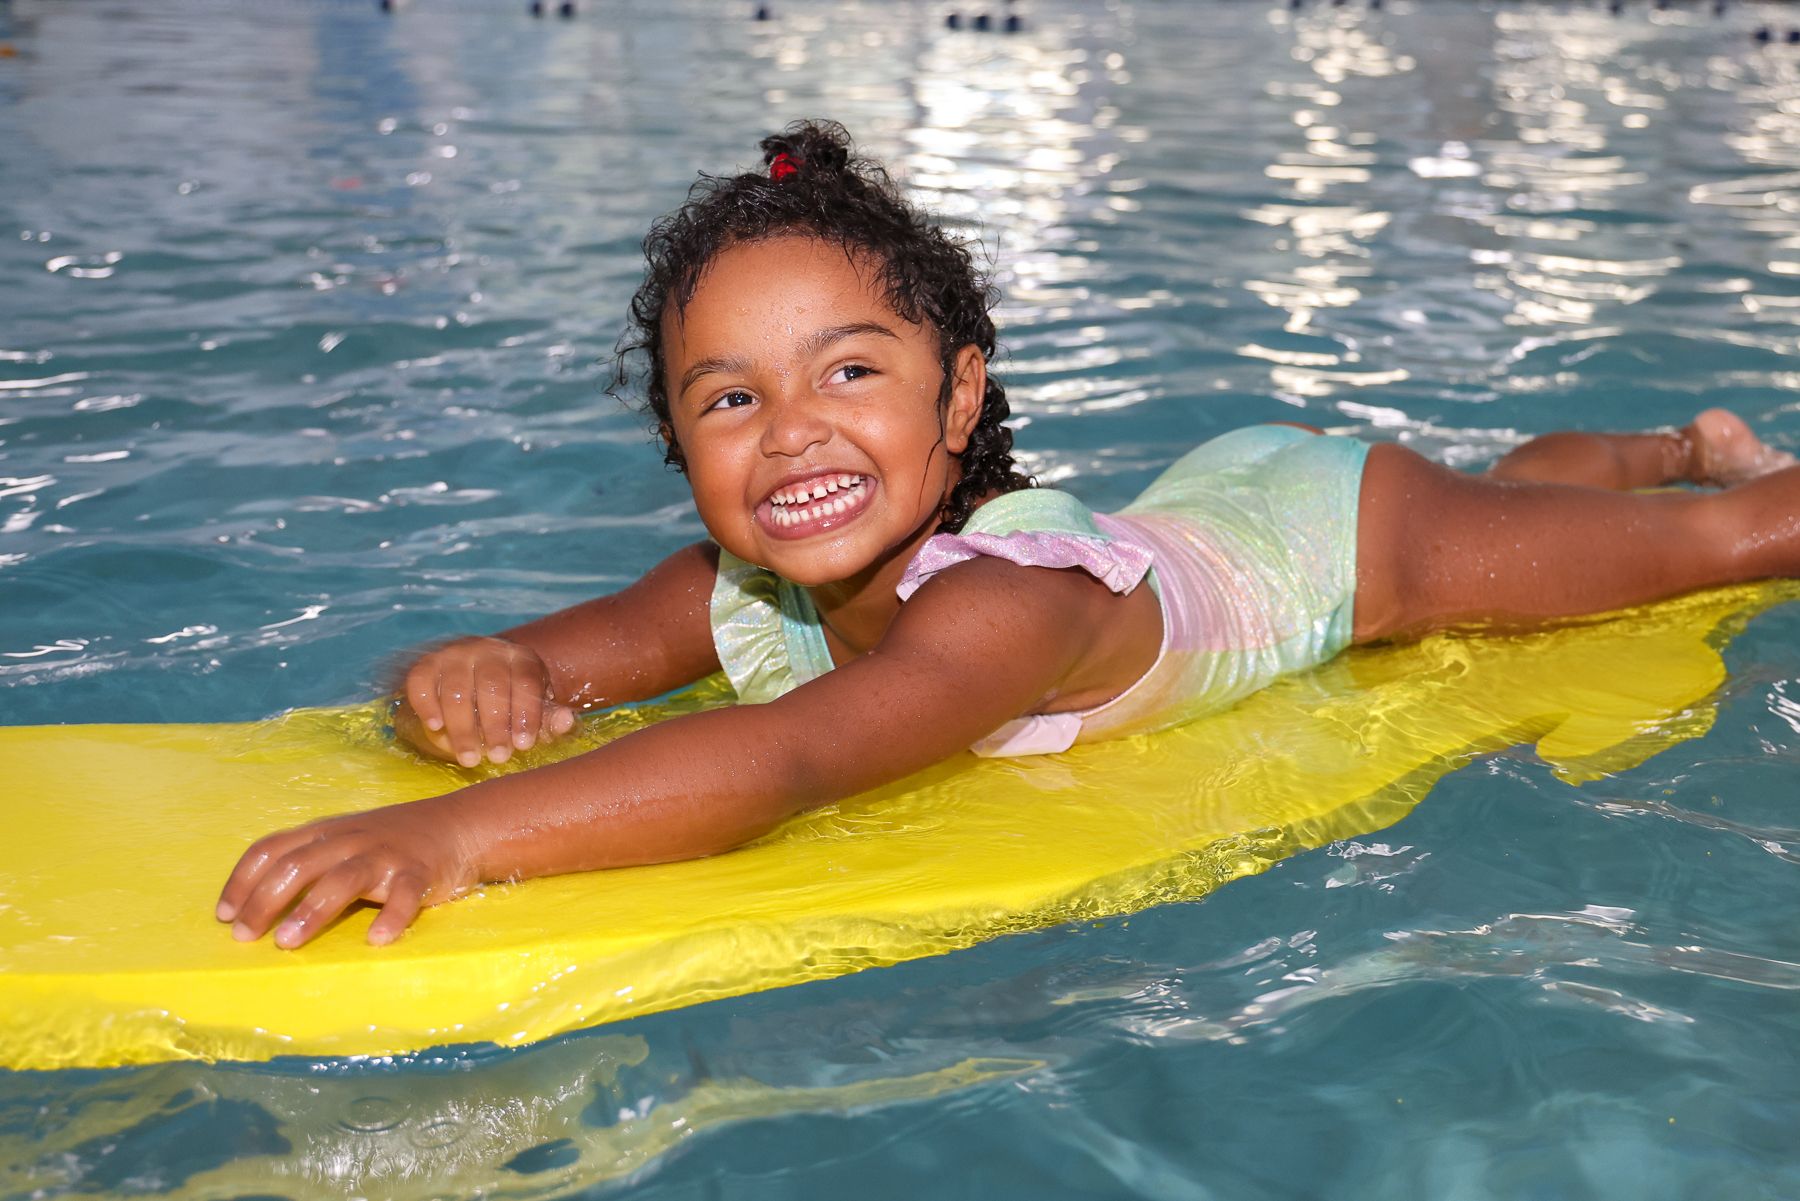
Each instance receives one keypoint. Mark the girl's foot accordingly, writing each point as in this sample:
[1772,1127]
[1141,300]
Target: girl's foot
[1723,451]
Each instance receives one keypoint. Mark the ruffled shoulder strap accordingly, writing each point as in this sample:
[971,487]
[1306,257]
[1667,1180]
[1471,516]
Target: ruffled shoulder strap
[1034,527]
[766,631]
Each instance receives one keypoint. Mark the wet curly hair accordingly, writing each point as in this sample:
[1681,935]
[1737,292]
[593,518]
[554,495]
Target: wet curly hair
[814,183]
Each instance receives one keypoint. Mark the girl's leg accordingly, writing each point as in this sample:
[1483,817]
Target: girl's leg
[1619,462]
[1717,447]
[1437,548]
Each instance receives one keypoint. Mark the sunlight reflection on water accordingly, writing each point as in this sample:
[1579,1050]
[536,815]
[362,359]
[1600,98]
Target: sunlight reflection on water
[307,318]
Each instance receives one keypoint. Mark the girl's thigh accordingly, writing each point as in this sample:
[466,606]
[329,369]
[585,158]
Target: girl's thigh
[1437,547]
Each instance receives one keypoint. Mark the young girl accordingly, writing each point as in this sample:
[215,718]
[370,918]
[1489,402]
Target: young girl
[884,588]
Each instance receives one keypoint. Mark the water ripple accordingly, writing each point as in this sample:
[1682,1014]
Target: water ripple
[283,394]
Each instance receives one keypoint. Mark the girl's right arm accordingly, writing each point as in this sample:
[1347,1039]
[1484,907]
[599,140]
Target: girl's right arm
[979,644]
[492,696]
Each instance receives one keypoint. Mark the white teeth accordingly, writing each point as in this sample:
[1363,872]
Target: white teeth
[783,510]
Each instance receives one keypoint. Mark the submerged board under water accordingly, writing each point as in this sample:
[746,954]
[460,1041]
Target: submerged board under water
[122,835]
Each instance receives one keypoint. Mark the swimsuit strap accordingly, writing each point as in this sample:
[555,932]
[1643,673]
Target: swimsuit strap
[765,630]
[1034,527]
[770,640]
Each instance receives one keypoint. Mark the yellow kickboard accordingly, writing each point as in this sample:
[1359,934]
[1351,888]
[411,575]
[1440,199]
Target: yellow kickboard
[119,837]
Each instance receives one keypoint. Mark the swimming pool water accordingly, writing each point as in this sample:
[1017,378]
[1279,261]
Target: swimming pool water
[306,315]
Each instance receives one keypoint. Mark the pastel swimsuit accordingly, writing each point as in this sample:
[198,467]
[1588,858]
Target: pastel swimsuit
[1248,541]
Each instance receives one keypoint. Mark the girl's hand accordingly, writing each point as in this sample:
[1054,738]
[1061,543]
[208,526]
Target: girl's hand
[402,858]
[479,696]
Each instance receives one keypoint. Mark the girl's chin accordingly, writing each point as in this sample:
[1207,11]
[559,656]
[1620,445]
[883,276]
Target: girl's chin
[816,566]
[825,562]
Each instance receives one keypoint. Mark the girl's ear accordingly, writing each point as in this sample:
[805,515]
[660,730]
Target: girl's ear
[969,370]
[672,454]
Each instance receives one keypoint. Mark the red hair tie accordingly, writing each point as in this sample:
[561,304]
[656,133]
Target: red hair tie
[782,166]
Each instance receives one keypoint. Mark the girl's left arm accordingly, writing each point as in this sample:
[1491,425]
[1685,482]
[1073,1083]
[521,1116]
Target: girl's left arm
[977,646]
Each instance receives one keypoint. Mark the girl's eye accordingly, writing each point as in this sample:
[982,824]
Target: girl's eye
[732,400]
[851,371]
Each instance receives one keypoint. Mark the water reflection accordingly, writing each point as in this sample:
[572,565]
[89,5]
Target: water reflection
[1020,141]
[283,390]
[1312,210]
[582,1112]
[603,1109]
[1328,237]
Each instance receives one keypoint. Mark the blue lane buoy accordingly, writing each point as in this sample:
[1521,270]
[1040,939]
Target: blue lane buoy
[762,12]
[1014,22]
[1763,33]
[982,21]
[537,8]
[567,9]
[1793,37]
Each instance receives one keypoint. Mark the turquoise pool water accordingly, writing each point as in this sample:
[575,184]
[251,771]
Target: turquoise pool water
[304,320]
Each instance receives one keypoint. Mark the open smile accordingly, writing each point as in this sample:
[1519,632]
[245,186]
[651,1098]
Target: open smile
[815,505]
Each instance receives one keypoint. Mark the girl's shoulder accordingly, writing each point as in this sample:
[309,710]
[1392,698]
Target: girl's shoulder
[769,636]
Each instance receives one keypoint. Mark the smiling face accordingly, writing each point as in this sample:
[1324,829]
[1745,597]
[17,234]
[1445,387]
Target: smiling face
[809,412]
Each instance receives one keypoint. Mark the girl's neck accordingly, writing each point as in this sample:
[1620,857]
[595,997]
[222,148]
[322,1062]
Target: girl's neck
[854,624]
[856,612]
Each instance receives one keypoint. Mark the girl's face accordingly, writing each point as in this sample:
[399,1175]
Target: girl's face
[808,412]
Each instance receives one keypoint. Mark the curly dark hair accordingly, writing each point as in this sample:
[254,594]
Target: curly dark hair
[814,183]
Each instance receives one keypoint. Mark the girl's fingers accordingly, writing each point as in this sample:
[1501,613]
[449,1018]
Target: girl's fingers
[332,893]
[456,694]
[437,745]
[527,710]
[405,897]
[410,728]
[422,694]
[281,883]
[250,869]
[494,697]
[560,720]
[482,696]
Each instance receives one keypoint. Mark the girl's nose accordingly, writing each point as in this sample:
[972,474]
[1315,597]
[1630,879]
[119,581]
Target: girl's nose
[793,425]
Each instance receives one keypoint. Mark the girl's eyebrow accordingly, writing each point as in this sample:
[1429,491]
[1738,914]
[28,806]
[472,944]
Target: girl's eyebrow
[727,364]
[810,345]
[817,341]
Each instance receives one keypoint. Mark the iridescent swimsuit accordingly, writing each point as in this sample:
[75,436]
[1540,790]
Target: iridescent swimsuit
[1252,537]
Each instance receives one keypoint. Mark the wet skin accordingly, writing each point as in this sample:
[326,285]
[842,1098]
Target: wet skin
[788,368]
